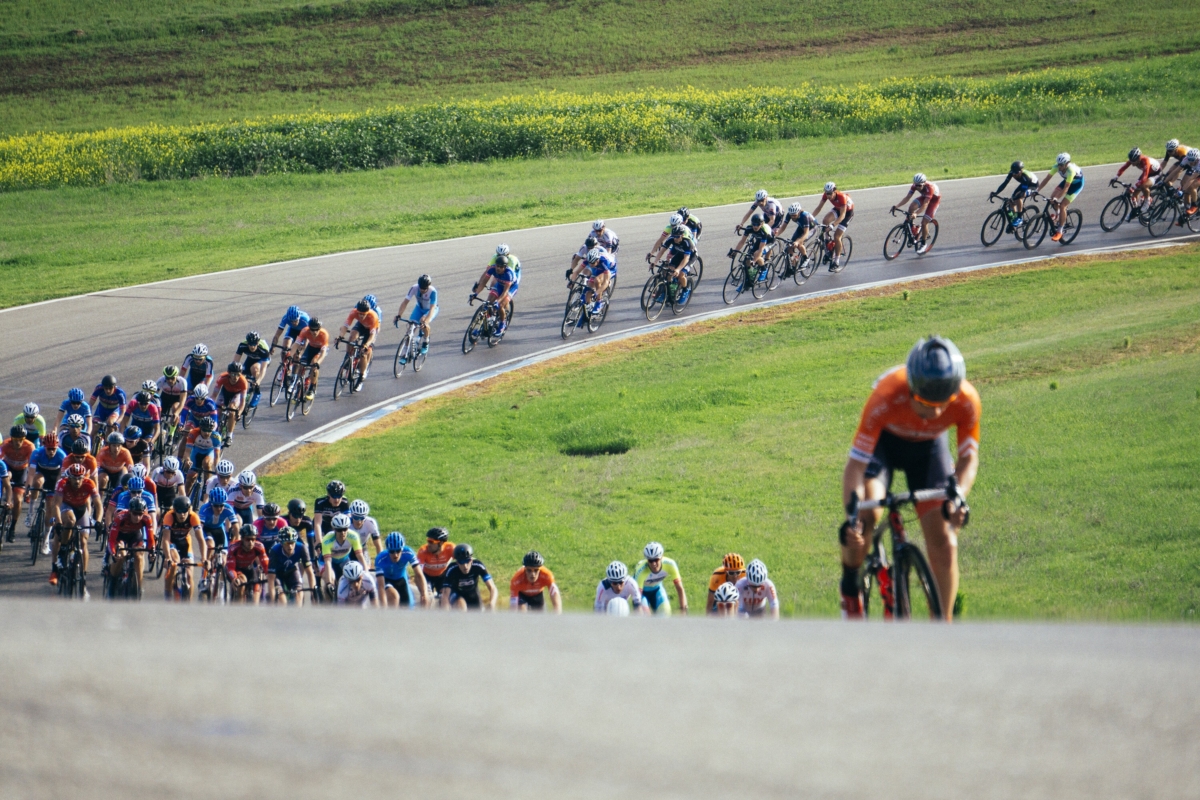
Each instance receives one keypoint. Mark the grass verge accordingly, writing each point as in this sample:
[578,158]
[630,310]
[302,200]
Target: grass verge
[736,433]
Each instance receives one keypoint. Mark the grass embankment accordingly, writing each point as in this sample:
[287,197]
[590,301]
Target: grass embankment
[1086,504]
[88,65]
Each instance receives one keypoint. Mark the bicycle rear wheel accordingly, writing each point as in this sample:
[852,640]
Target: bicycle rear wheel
[1115,212]
[572,316]
[931,234]
[914,588]
[654,297]
[307,395]
[896,239]
[344,376]
[699,264]
[993,228]
[847,250]
[1071,228]
[278,382]
[1162,218]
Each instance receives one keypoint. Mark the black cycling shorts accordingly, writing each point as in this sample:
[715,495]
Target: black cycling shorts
[801,234]
[401,587]
[535,601]
[472,600]
[926,465]
[846,219]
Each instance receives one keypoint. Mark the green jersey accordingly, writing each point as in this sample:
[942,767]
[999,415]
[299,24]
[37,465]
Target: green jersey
[340,552]
[649,579]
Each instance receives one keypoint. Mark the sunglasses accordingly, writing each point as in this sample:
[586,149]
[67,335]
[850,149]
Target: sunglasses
[928,404]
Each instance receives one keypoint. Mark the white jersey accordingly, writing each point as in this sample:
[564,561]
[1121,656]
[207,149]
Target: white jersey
[347,595]
[369,531]
[167,480]
[242,498]
[228,484]
[628,589]
[754,600]
[177,386]
[426,299]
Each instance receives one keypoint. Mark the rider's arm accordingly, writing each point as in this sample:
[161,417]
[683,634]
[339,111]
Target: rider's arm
[422,584]
[907,197]
[493,592]
[403,305]
[683,606]
[358,554]
[555,598]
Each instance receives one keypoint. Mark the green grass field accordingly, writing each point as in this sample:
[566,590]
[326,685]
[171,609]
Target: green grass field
[1086,505]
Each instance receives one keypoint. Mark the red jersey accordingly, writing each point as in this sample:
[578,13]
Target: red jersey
[1148,166]
[889,408]
[436,562]
[76,497]
[132,530]
[926,190]
[239,559]
[230,384]
[840,200]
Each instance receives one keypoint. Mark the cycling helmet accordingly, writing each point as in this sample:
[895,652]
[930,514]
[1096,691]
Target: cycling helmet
[296,507]
[133,433]
[287,535]
[292,315]
[225,468]
[200,351]
[733,562]
[594,255]
[142,397]
[676,220]
[726,593]
[756,220]
[359,508]
[616,572]
[502,250]
[830,187]
[314,324]
[208,424]
[1063,159]
[1017,166]
[113,438]
[252,338]
[353,571]
[756,572]
[149,386]
[340,522]
[335,488]
[170,372]
[77,471]
[794,209]
[533,559]
[75,421]
[936,369]
[136,484]
[1135,154]
[394,542]
[683,212]
[652,551]
[371,300]
[437,534]
[247,479]
[32,410]
[170,464]
[200,392]
[680,229]
[75,395]
[137,505]
[217,496]
[108,382]
[590,242]
[760,195]
[79,447]
[18,432]
[617,607]
[139,470]
[362,306]
[1172,144]
[270,510]
[424,282]
[248,532]
[234,368]
[180,505]
[598,225]
[1192,156]
[463,553]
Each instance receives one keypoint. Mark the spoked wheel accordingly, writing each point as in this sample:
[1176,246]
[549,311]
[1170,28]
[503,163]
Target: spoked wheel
[401,359]
[345,375]
[1115,212]
[418,353]
[912,582]
[654,297]
[762,283]
[572,316]
[847,249]
[931,234]
[734,284]
[251,408]
[896,239]
[306,402]
[474,330]
[293,400]
[698,262]
[1162,218]
[682,298]
[1193,223]
[993,228]
[777,266]
[594,321]
[35,536]
[806,268]
[277,383]
[1036,231]
[1072,226]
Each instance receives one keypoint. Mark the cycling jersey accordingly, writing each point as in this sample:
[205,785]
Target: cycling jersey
[76,496]
[105,405]
[196,371]
[888,409]
[231,386]
[522,588]
[316,340]
[33,430]
[804,223]
[1025,180]
[926,190]
[339,552]
[282,565]
[366,321]
[87,459]
[175,388]
[216,521]
[113,462]
[146,417]
[178,528]
[424,300]
[607,590]
[720,575]
[1179,153]
[650,579]
[120,501]
[771,208]
[840,200]
[608,240]
[755,600]
[503,278]
[434,563]
[693,225]
[760,235]
[166,480]
[294,327]
[228,484]
[203,443]
[463,582]
[389,570]
[242,498]
[681,246]
[268,534]
[1072,180]
[349,595]
[132,530]
[239,559]
[82,409]
[256,353]
[1145,164]
[49,460]
[368,532]
[324,508]
[195,410]
[605,264]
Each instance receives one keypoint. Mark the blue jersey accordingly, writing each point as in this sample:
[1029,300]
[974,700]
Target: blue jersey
[292,329]
[3,470]
[49,460]
[395,570]
[123,499]
[606,263]
[83,409]
[504,277]
[681,245]
[212,518]
[194,411]
[108,403]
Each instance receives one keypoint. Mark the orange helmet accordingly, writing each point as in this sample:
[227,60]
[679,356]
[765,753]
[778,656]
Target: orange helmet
[77,471]
[733,562]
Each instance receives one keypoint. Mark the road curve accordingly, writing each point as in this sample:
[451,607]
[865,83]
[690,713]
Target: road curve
[81,338]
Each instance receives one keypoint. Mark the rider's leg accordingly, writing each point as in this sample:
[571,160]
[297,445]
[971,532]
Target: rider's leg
[941,542]
[169,572]
[855,553]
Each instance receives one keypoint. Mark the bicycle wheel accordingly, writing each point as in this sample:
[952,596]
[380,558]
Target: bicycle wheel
[1036,231]
[307,395]
[762,282]
[278,382]
[914,588]
[1193,223]
[931,234]
[777,266]
[594,321]
[251,407]
[1162,218]
[1115,212]
[733,284]
[474,330]
[1072,226]
[571,318]
[401,359]
[993,228]
[66,577]
[418,352]
[3,526]
[682,298]
[806,268]
[847,249]
[35,536]
[896,239]
[572,295]
[344,376]
[654,297]
[160,562]
[699,262]
[293,398]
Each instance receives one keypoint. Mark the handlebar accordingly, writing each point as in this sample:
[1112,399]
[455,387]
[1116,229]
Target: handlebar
[949,493]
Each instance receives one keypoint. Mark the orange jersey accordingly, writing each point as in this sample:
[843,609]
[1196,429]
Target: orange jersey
[179,526]
[721,575]
[367,320]
[519,585]
[437,562]
[840,200]
[317,339]
[889,409]
[87,459]
[76,496]
[16,452]
[231,384]
[110,463]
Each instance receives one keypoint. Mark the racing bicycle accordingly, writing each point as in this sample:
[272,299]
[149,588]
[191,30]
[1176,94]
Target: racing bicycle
[411,350]
[37,523]
[1121,209]
[1041,225]
[661,289]
[1001,221]
[299,392]
[250,404]
[283,375]
[822,245]
[350,374]
[579,312]
[71,581]
[485,323]
[908,234]
[1168,211]
[744,276]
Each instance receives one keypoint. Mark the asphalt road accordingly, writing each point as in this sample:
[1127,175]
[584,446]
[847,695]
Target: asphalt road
[112,701]
[134,332]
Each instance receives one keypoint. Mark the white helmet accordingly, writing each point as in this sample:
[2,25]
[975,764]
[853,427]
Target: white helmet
[794,209]
[617,607]
[200,351]
[225,468]
[918,179]
[32,410]
[598,225]
[756,572]
[352,571]
[760,195]
[75,421]
[1063,159]
[200,392]
[140,470]
[149,386]
[726,593]
[170,464]
[652,551]
[1172,144]
[340,522]
[594,255]
[247,479]
[676,219]
[502,250]
[616,571]
[359,508]
[830,187]
[1193,155]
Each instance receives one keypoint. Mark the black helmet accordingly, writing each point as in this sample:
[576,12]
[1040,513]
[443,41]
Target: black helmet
[142,397]
[108,382]
[208,424]
[1135,154]
[270,510]
[17,431]
[533,559]
[180,505]
[79,447]
[235,368]
[424,282]
[314,324]
[252,338]
[335,488]
[501,261]
[296,507]
[936,369]
[438,534]
[362,306]
[1017,166]
[463,553]
[756,220]
[590,242]
[683,212]
[137,505]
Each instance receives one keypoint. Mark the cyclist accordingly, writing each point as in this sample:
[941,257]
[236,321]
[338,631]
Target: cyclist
[928,198]
[606,237]
[74,432]
[365,526]
[391,570]
[74,404]
[310,348]
[144,413]
[257,355]
[293,322]
[805,223]
[1176,151]
[268,526]
[223,477]
[76,501]
[504,272]
[231,387]
[219,521]
[1188,172]
[139,445]
[199,407]
[81,454]
[114,460]
[761,237]
[132,528]
[179,527]
[33,422]
[363,322]
[356,587]
[681,217]
[334,502]
[172,391]
[135,487]
[905,426]
[108,404]
[841,211]
[47,462]
[289,564]
[602,269]
[725,601]
[435,558]
[167,481]
[579,260]
[1150,169]
[340,546]
[1065,193]
[247,497]
[679,251]
[197,367]
[460,583]
[246,564]
[1026,184]
[767,207]
[423,296]
[303,525]
[617,583]
[205,448]
[528,588]
[732,568]
[756,593]
[651,572]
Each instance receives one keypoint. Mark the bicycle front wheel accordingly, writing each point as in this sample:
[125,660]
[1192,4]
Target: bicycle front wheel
[1115,212]
[344,375]
[401,359]
[847,249]
[762,282]
[1162,218]
[733,284]
[594,321]
[277,383]
[1071,228]
[572,316]
[654,297]
[914,588]
[993,228]
[474,330]
[894,244]
[1036,231]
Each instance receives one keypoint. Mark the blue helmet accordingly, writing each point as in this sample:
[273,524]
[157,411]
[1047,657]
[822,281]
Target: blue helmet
[133,433]
[292,315]
[136,485]
[372,301]
[217,496]
[75,395]
[395,542]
